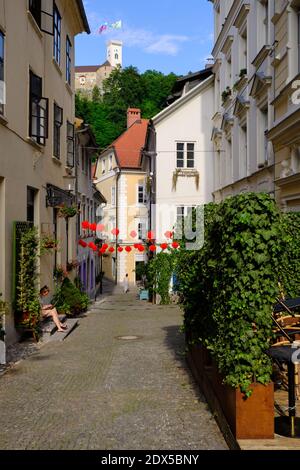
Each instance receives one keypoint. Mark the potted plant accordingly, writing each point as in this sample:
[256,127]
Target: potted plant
[226,93]
[72,265]
[59,273]
[48,243]
[67,211]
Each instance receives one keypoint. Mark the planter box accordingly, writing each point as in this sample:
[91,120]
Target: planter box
[252,418]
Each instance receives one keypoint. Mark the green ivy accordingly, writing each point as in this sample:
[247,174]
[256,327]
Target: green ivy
[159,272]
[27,301]
[228,288]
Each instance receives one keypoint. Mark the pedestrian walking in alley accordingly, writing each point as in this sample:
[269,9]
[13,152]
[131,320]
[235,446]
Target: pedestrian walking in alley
[126,284]
[48,310]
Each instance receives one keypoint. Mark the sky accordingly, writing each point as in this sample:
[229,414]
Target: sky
[164,35]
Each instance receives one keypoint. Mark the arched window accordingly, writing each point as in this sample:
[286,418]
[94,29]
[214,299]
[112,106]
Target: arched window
[116,56]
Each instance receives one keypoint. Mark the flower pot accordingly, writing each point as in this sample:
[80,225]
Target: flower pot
[251,418]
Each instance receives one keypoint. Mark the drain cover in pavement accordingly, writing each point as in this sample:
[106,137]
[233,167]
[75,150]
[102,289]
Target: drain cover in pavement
[128,337]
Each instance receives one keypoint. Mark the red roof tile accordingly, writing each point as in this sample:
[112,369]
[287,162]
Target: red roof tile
[86,68]
[128,146]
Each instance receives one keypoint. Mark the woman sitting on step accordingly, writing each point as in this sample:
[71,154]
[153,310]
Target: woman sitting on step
[49,310]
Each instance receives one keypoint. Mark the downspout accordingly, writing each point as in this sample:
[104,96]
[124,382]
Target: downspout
[118,171]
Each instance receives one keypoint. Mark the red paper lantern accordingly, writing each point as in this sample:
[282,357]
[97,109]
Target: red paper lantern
[85,224]
[115,231]
[102,250]
[164,246]
[128,249]
[120,249]
[169,234]
[105,246]
[175,245]
[82,243]
[152,248]
[136,246]
[133,234]
[151,235]
[100,228]
[93,246]
[93,227]
[141,248]
[111,249]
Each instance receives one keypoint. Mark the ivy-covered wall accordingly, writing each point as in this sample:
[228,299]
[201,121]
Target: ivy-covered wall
[228,287]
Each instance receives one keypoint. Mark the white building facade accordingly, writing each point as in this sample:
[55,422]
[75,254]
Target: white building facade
[182,157]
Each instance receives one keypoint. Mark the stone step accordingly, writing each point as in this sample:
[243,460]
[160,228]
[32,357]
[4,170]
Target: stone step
[48,326]
[59,336]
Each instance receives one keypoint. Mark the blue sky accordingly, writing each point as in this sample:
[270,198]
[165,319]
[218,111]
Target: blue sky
[165,35]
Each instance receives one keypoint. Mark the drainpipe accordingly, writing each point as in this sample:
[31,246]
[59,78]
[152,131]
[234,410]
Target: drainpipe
[118,174]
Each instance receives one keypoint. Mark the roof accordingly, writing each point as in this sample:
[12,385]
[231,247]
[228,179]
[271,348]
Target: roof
[86,68]
[192,78]
[201,87]
[83,16]
[129,145]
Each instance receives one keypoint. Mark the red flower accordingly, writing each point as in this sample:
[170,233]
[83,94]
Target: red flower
[128,249]
[169,234]
[111,249]
[152,248]
[82,243]
[115,231]
[85,224]
[93,227]
[120,249]
[151,235]
[175,245]
[164,246]
[100,228]
[133,234]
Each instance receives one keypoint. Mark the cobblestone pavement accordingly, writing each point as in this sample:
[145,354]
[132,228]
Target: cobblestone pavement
[95,391]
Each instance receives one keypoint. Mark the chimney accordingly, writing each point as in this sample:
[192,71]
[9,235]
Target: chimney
[133,114]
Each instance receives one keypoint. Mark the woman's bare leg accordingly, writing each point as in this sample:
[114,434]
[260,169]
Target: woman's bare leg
[56,320]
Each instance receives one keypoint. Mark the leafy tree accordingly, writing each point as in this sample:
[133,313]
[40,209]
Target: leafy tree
[124,88]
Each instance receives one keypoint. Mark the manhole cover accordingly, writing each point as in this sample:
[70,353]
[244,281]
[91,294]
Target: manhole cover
[128,337]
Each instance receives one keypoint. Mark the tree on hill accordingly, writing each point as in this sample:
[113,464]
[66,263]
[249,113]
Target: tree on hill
[125,88]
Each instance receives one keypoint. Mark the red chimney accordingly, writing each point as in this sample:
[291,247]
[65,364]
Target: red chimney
[133,114]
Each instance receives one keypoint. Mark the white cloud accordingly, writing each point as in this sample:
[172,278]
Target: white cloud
[148,41]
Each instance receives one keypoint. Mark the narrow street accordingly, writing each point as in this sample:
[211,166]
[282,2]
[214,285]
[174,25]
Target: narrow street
[96,391]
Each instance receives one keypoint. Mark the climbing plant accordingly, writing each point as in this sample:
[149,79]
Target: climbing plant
[27,301]
[159,272]
[228,288]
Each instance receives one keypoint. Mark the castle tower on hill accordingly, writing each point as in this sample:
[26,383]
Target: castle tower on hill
[89,76]
[114,53]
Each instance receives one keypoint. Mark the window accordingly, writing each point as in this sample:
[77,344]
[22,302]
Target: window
[35,8]
[179,218]
[68,60]
[180,155]
[42,12]
[38,111]
[142,231]
[113,196]
[57,35]
[116,56]
[185,155]
[30,204]
[110,163]
[2,89]
[141,194]
[103,166]
[57,123]
[70,145]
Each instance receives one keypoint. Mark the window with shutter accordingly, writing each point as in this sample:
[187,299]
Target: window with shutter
[57,35]
[57,123]
[42,12]
[70,145]
[38,111]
